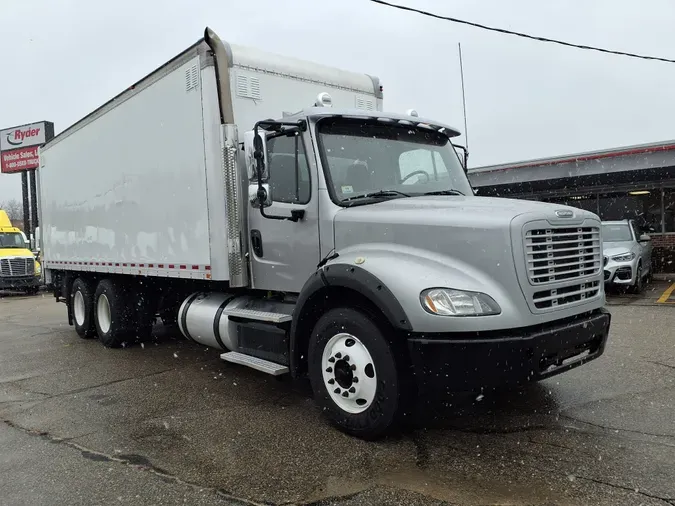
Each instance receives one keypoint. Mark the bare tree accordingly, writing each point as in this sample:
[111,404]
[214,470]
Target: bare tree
[13,208]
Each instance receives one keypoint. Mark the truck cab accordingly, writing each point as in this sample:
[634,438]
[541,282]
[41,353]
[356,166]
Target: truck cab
[380,226]
[19,269]
[386,277]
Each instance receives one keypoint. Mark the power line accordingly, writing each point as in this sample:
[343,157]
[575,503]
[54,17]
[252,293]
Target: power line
[523,35]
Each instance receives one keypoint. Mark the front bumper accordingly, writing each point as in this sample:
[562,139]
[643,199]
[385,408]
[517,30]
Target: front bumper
[620,273]
[18,283]
[464,363]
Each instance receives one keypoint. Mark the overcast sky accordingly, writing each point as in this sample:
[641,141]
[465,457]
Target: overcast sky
[525,99]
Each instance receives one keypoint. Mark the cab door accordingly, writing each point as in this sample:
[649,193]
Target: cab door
[284,253]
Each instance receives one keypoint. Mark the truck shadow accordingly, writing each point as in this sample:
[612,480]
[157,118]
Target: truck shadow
[498,411]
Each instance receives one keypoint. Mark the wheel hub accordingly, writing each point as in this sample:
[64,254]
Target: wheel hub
[349,373]
[103,313]
[78,308]
[343,373]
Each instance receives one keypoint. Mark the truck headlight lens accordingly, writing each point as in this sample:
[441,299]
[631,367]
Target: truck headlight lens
[38,269]
[449,302]
[625,257]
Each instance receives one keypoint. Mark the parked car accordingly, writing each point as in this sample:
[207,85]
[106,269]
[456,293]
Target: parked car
[627,254]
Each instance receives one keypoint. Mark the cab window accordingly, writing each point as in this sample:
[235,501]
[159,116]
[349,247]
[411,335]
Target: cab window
[288,170]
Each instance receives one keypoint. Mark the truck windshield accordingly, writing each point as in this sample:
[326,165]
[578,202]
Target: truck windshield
[371,160]
[11,240]
[616,233]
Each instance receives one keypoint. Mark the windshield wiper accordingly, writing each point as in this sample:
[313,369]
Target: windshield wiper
[380,193]
[444,192]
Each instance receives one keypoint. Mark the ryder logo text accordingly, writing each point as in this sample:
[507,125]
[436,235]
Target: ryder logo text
[17,137]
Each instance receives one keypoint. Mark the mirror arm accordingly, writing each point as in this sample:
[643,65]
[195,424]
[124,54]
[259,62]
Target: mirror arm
[296,214]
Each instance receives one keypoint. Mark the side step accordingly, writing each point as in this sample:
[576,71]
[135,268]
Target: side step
[252,314]
[255,363]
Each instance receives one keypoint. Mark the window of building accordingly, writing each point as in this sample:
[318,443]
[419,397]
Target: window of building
[585,202]
[643,206]
[669,210]
[288,169]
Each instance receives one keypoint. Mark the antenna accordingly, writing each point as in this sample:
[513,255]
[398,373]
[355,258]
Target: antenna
[466,129]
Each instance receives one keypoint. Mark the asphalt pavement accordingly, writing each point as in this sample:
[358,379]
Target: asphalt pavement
[169,423]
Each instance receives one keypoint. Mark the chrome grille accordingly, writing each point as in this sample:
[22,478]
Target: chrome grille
[562,254]
[566,295]
[12,267]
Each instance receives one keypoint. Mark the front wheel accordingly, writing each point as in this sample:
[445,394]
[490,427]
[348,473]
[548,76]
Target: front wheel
[354,374]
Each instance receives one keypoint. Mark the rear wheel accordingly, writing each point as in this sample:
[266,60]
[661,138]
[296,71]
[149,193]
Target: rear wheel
[82,302]
[113,314]
[354,374]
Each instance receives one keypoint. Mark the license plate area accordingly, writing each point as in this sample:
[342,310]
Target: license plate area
[569,356]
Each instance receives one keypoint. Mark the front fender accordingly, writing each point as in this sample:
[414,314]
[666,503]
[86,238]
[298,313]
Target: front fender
[313,295]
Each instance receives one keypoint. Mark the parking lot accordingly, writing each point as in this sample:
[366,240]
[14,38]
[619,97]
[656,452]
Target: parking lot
[169,423]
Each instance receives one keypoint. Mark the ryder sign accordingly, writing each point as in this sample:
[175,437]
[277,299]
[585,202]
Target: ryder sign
[19,146]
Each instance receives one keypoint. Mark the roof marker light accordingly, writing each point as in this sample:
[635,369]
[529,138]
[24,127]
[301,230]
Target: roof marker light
[324,100]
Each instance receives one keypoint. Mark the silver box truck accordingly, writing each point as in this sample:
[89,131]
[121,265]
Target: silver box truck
[274,211]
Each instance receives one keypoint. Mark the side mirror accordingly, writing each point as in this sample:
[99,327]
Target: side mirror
[250,147]
[255,194]
[644,238]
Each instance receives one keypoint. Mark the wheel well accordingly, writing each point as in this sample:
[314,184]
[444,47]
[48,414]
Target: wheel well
[318,304]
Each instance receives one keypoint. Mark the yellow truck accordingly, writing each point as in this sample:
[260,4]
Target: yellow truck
[19,269]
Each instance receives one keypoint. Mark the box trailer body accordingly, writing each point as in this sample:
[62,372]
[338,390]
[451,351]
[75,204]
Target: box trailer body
[273,210]
[138,187]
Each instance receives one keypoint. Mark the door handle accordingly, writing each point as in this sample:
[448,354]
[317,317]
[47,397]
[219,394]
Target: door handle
[256,243]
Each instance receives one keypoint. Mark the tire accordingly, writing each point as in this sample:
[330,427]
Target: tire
[32,290]
[639,285]
[82,302]
[378,398]
[113,314]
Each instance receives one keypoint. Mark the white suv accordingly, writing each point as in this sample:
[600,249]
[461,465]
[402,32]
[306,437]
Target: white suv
[627,254]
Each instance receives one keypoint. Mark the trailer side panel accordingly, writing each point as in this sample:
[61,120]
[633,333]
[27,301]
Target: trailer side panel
[127,192]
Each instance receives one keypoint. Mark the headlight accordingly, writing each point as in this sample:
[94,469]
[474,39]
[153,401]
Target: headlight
[625,257]
[449,302]
[38,268]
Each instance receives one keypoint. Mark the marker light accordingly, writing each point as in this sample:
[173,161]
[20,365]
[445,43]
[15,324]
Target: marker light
[324,100]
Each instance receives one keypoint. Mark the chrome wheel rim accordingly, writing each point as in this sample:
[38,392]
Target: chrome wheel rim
[103,313]
[78,308]
[349,373]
